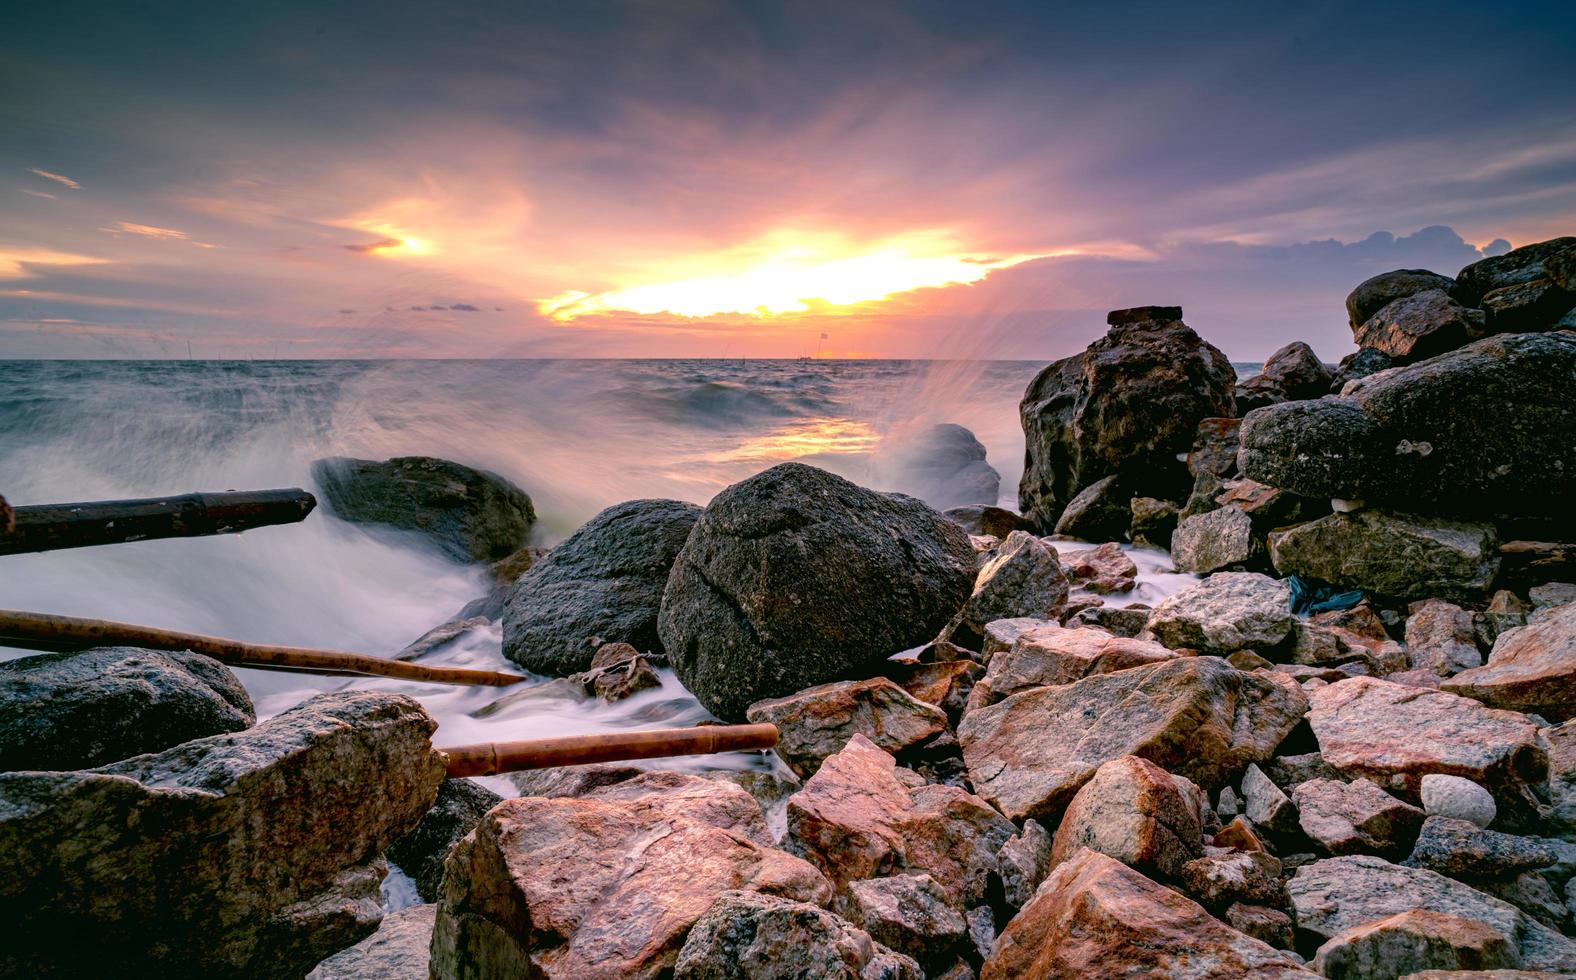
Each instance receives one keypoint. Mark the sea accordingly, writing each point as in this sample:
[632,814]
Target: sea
[577,435]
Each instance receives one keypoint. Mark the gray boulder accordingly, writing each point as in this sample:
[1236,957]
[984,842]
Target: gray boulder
[1128,405]
[1373,295]
[80,710]
[1021,577]
[1100,512]
[1419,326]
[1359,364]
[420,853]
[1226,612]
[471,515]
[749,936]
[1294,371]
[603,584]
[910,914]
[796,577]
[1215,540]
[397,951]
[254,854]
[1517,267]
[1394,555]
[1479,431]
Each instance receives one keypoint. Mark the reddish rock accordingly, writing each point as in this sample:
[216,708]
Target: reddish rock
[1096,917]
[1053,655]
[1416,940]
[1270,926]
[749,936]
[1356,817]
[1441,637]
[1138,813]
[817,722]
[1238,834]
[1221,879]
[1102,570]
[1214,447]
[1532,668]
[943,683]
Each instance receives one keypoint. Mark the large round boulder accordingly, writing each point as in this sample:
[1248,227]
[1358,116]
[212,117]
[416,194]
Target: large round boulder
[796,577]
[603,584]
[1373,295]
[1128,405]
[469,514]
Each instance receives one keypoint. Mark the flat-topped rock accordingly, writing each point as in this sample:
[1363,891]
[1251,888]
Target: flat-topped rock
[1389,554]
[1415,940]
[1226,612]
[1053,655]
[1531,668]
[1356,817]
[817,722]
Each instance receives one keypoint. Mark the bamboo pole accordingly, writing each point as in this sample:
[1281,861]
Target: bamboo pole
[49,527]
[43,631]
[491,758]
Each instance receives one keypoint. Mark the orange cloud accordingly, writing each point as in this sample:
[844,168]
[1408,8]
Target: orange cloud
[146,231]
[57,178]
[14,262]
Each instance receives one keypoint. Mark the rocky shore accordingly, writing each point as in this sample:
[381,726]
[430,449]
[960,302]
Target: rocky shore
[1348,749]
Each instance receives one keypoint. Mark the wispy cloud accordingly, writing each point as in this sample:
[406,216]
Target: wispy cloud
[44,194]
[377,246]
[146,231]
[18,263]
[57,178]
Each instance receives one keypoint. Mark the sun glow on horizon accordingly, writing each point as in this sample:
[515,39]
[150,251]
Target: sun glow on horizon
[787,273]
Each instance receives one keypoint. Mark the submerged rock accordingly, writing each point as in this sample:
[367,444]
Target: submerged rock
[1224,613]
[603,584]
[943,465]
[1531,668]
[797,577]
[1196,716]
[817,722]
[80,710]
[1394,555]
[471,515]
[1129,405]
[746,935]
[421,853]
[1096,917]
[254,854]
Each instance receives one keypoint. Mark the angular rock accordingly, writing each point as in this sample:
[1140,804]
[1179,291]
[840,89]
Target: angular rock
[1154,521]
[153,863]
[861,817]
[1341,893]
[560,781]
[469,514]
[1531,668]
[1475,432]
[1418,326]
[818,722]
[1096,917]
[795,576]
[397,951]
[1003,633]
[1224,613]
[1559,742]
[1535,305]
[1128,405]
[1551,594]
[1138,813]
[1215,447]
[1053,655]
[1198,717]
[1221,880]
[1395,735]
[577,887]
[946,684]
[1268,808]
[1216,540]
[1101,570]
[1457,798]
[1123,621]
[1380,291]
[1023,862]
[1462,849]
[1097,512]
[1533,894]
[1518,266]
[1361,364]
[1021,577]
[746,935]
[1236,834]
[909,914]
[441,636]
[80,710]
[603,584]
[1356,817]
[1441,637]
[1389,554]
[718,803]
[421,853]
[997,522]
[1420,939]
[1269,926]
[1294,371]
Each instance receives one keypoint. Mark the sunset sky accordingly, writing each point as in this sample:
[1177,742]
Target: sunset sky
[930,179]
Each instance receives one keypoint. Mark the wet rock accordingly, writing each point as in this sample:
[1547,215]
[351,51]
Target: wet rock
[80,710]
[1267,807]
[1421,325]
[1221,880]
[397,951]
[603,584]
[1101,570]
[1138,813]
[1053,655]
[795,576]
[1023,862]
[420,853]
[1415,940]
[1341,893]
[1153,523]
[1457,798]
[253,854]
[1269,926]
[618,671]
[1128,405]
[1391,554]
[1294,372]
[818,722]
[561,781]
[1224,613]
[1096,917]
[910,914]
[1532,668]
[1021,577]
[1198,717]
[1441,637]
[1475,432]
[583,887]
[997,522]
[1214,447]
[746,935]
[861,817]
[943,465]
[1374,294]
[441,636]
[1395,735]
[1514,268]
[469,514]
[1216,540]
[1356,817]
[1098,511]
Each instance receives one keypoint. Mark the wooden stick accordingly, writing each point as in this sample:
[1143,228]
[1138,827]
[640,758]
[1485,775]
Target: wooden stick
[491,758]
[48,527]
[42,631]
